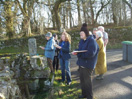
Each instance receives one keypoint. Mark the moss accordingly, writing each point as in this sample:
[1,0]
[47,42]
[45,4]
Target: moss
[47,68]
[38,62]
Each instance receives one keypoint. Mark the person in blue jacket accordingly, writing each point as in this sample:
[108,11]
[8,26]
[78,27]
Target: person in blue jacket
[64,56]
[86,61]
[50,50]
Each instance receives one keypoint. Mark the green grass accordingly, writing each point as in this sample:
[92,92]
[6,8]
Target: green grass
[64,91]
[61,90]
[9,50]
[13,50]
[114,46]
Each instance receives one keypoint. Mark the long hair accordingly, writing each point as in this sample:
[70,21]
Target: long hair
[67,37]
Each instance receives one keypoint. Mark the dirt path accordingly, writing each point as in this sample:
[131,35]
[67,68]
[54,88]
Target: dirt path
[117,83]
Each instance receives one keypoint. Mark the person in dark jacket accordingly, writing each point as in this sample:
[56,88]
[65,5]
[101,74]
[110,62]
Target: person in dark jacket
[64,56]
[56,59]
[86,61]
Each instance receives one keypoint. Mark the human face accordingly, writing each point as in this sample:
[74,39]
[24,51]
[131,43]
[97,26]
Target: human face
[47,38]
[96,36]
[63,37]
[82,35]
[100,29]
[94,32]
[56,37]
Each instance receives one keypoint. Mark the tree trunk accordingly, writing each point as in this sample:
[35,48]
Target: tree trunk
[84,11]
[27,13]
[56,13]
[113,12]
[92,12]
[9,19]
[79,15]
[53,19]
[64,18]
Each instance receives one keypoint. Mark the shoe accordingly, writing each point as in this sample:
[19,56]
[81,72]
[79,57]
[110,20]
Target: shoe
[99,78]
[69,83]
[82,96]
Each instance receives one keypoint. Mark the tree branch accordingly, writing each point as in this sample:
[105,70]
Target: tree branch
[127,3]
[22,10]
[102,6]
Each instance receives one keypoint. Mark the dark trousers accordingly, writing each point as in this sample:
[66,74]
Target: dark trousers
[56,63]
[50,64]
[86,82]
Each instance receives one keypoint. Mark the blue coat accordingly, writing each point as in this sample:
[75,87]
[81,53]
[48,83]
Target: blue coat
[88,59]
[65,51]
[50,49]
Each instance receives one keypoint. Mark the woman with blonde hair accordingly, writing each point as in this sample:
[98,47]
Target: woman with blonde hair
[64,56]
[101,66]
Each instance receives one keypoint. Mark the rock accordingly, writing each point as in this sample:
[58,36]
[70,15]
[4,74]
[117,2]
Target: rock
[32,46]
[32,51]
[34,85]
[26,72]
[8,86]
[41,74]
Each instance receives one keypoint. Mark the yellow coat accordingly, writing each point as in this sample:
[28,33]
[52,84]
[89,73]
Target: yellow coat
[101,66]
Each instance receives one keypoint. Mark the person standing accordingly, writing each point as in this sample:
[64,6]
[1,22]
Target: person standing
[105,36]
[64,56]
[86,62]
[49,50]
[94,32]
[56,59]
[101,66]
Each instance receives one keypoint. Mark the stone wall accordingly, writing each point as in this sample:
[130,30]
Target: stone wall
[23,77]
[8,85]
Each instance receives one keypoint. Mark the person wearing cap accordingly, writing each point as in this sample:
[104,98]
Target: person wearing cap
[101,66]
[105,36]
[56,59]
[86,61]
[49,50]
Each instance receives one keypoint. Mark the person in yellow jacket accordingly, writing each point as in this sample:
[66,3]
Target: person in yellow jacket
[101,66]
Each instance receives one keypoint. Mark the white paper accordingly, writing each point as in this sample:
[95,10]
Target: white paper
[81,51]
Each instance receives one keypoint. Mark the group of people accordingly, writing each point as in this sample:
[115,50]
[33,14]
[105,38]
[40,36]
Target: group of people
[92,58]
[58,52]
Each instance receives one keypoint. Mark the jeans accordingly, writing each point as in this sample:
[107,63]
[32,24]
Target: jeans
[65,69]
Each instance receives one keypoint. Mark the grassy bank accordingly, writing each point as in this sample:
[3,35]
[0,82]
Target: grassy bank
[114,46]
[13,50]
[61,90]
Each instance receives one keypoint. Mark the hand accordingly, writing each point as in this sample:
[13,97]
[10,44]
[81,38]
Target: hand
[42,48]
[59,47]
[74,53]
